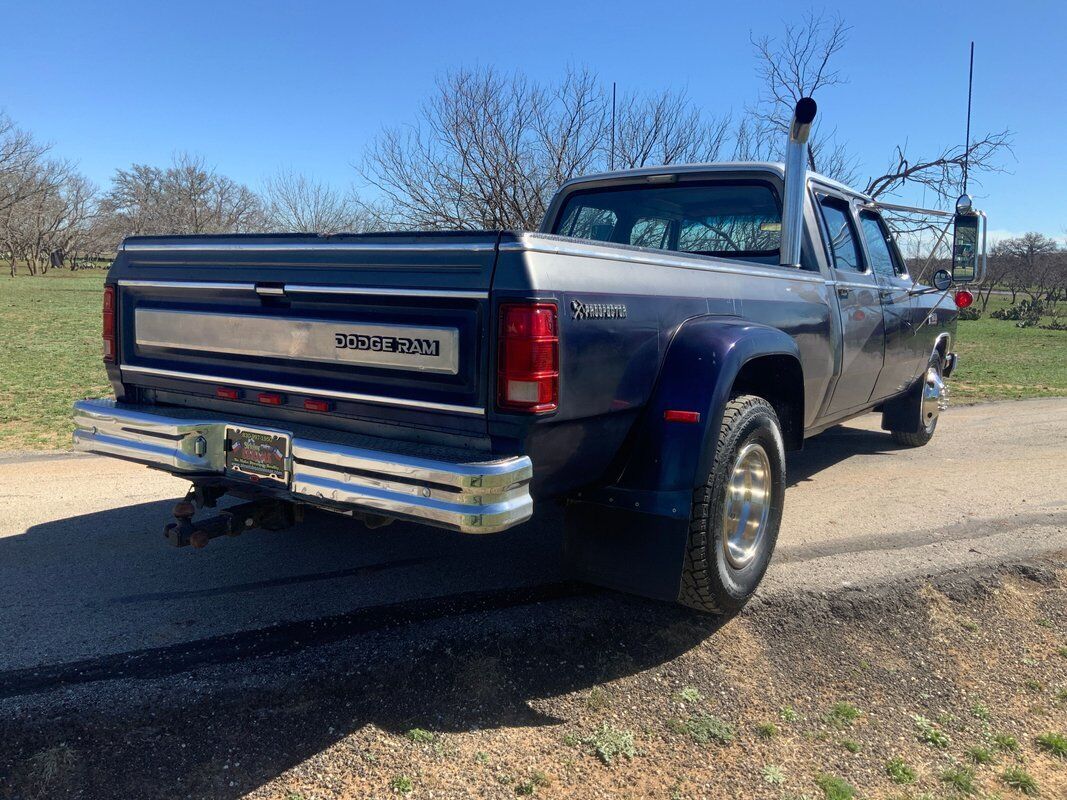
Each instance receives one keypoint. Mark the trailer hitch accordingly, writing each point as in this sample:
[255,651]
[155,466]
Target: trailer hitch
[267,513]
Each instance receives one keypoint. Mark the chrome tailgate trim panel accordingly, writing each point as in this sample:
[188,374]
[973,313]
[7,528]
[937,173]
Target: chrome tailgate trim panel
[408,348]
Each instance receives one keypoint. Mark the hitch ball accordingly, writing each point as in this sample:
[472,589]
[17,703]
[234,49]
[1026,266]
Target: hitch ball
[184,510]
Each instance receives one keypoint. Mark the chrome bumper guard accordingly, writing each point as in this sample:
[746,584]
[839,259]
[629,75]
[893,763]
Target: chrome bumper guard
[472,497]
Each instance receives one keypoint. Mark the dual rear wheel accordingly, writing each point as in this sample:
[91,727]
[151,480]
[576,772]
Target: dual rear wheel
[737,511]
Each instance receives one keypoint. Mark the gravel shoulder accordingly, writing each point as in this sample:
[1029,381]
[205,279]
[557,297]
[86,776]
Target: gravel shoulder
[591,695]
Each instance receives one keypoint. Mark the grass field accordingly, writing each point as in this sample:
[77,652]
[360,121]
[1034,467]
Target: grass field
[50,356]
[999,361]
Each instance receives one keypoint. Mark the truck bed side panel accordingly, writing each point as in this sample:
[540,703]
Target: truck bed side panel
[610,365]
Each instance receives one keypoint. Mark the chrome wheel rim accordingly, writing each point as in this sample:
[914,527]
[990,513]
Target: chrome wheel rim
[747,505]
[935,397]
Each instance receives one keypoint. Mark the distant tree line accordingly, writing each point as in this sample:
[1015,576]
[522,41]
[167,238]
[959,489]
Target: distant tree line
[486,150]
[1033,266]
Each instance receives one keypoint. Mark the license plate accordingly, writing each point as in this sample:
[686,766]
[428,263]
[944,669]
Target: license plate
[258,455]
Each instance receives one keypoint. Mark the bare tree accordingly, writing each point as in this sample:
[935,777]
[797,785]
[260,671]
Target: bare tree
[186,197]
[1001,272]
[294,203]
[666,129]
[799,64]
[474,157]
[942,175]
[50,222]
[489,150]
[20,155]
[1036,264]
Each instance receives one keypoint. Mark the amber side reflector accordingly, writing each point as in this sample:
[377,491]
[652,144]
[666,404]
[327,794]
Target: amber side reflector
[317,405]
[271,399]
[682,416]
[226,393]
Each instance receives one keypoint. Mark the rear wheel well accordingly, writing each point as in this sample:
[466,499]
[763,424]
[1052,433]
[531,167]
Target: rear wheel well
[778,379]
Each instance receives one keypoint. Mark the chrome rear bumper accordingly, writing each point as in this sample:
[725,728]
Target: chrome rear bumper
[469,496]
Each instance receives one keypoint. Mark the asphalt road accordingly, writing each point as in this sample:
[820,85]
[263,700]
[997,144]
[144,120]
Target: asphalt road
[85,572]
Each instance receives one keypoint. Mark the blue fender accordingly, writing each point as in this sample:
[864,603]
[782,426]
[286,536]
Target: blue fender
[632,535]
[698,372]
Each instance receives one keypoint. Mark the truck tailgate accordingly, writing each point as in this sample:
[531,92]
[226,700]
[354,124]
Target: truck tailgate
[386,328]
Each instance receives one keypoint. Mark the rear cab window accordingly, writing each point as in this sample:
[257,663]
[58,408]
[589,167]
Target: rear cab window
[728,219]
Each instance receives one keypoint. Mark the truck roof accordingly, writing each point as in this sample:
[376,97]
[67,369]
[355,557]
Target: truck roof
[775,167]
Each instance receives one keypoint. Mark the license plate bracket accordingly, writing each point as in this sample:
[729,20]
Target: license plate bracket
[259,455]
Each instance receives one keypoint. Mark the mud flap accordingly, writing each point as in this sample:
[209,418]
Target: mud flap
[903,413]
[628,551]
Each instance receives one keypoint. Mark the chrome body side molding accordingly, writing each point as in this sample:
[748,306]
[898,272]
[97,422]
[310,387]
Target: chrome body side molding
[371,291]
[217,286]
[284,247]
[304,288]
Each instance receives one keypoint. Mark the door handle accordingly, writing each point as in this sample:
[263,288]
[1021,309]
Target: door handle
[843,291]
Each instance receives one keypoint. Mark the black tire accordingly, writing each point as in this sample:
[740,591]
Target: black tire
[710,582]
[913,404]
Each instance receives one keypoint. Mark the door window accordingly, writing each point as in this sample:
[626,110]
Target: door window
[879,245]
[842,234]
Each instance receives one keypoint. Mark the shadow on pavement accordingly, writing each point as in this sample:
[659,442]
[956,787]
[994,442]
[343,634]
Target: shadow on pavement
[434,645]
[834,446]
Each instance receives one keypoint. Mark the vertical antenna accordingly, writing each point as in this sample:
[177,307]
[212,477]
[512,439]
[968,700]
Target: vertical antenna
[611,156]
[967,142]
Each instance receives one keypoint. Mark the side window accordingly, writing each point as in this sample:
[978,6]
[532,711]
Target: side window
[842,234]
[651,232]
[879,245]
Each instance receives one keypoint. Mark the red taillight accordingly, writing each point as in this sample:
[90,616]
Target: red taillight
[270,399]
[963,298]
[316,405]
[528,358]
[109,323]
[226,393]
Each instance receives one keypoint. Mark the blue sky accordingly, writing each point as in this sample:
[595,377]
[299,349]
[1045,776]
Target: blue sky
[255,86]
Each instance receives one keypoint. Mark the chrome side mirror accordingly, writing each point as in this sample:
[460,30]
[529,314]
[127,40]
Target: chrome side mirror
[942,280]
[966,252]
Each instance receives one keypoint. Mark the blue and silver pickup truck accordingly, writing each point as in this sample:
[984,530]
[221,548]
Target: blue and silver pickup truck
[647,357]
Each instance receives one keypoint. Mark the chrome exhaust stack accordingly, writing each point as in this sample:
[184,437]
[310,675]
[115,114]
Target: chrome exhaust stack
[796,181]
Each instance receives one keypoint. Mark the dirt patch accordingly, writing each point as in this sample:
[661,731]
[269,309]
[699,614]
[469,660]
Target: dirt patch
[925,689]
